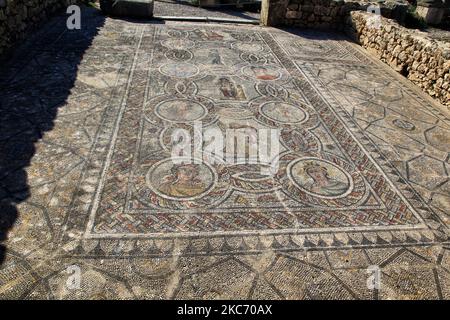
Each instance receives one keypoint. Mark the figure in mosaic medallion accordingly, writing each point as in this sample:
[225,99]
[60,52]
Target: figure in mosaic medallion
[321,182]
[230,90]
[183,181]
[180,110]
[207,35]
[262,73]
[215,57]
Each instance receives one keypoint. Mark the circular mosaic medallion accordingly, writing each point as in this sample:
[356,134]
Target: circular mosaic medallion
[181,181]
[180,110]
[179,43]
[263,73]
[177,34]
[248,47]
[283,112]
[179,70]
[178,55]
[320,178]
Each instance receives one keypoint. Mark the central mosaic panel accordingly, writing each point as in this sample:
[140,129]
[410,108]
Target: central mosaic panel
[228,79]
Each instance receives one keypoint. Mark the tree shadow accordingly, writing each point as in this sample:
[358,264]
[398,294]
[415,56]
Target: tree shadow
[35,81]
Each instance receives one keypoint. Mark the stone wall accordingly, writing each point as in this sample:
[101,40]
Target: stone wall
[19,17]
[273,12]
[320,14]
[332,14]
[423,60]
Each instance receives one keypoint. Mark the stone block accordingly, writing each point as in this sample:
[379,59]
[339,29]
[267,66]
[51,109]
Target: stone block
[432,15]
[128,8]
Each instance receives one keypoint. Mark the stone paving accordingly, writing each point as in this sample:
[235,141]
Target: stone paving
[87,183]
[179,9]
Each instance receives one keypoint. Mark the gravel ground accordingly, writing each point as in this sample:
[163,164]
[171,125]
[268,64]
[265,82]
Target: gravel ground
[170,8]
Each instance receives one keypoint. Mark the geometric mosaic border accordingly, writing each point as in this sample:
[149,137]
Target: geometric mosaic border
[75,241]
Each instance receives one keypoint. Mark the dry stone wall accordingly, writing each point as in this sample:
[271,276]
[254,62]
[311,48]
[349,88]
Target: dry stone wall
[423,60]
[332,14]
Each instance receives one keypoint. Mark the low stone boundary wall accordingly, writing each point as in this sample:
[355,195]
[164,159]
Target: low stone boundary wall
[423,60]
[18,17]
[332,14]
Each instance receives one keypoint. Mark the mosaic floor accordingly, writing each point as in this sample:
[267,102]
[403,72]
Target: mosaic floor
[87,181]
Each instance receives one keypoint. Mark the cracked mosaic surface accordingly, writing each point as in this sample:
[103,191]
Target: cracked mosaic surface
[86,118]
